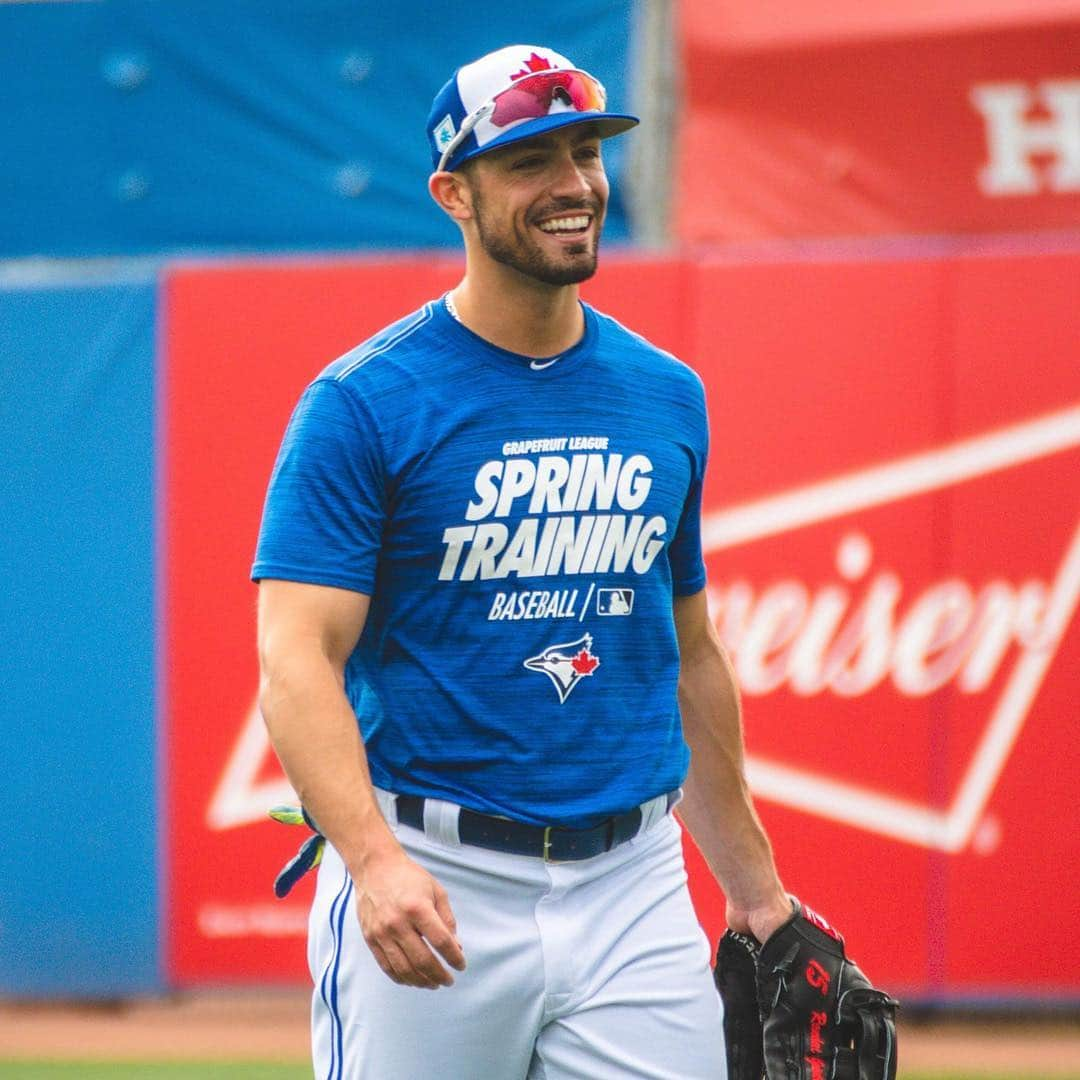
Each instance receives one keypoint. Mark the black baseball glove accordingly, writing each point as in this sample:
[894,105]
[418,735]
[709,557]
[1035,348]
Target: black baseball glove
[796,1008]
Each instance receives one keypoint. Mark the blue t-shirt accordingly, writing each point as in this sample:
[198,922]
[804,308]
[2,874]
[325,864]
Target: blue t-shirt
[521,527]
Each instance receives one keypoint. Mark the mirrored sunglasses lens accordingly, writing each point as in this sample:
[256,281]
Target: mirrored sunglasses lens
[534,97]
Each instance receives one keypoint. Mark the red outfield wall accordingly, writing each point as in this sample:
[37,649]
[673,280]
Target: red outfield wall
[893,533]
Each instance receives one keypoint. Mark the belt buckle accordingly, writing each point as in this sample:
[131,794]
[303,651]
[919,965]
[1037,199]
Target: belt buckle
[547,844]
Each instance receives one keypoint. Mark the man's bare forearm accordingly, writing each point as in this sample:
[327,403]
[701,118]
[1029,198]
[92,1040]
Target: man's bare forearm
[316,737]
[717,807]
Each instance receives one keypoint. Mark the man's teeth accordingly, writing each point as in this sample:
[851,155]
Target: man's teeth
[566,224]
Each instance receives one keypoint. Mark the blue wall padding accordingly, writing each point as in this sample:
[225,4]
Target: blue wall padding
[79,890]
[136,126]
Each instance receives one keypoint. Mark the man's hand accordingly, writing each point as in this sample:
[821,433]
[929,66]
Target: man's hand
[760,922]
[405,914]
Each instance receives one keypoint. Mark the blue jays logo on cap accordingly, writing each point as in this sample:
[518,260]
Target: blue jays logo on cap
[512,94]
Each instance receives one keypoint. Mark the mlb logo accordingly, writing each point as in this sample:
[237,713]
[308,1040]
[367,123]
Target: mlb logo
[614,601]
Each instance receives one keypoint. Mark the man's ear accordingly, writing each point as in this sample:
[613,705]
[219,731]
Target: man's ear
[451,192]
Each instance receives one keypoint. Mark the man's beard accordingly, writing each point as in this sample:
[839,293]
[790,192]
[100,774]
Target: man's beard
[526,256]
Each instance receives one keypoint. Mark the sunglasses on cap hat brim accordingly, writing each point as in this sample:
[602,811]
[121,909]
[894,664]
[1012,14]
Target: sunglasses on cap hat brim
[560,97]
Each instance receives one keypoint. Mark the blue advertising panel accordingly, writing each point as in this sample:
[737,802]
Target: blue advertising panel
[78,867]
[142,127]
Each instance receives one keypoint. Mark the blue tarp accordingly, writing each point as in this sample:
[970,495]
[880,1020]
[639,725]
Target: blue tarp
[79,891]
[143,127]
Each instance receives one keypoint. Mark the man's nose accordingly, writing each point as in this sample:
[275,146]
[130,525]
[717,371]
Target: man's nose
[570,178]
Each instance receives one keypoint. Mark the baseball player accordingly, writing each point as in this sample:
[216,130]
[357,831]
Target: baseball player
[488,668]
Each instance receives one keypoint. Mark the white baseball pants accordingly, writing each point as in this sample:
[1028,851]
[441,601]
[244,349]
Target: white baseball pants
[592,970]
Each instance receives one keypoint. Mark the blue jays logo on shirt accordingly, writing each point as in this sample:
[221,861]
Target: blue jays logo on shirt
[566,664]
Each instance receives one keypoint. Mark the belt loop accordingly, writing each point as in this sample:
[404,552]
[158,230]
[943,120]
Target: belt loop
[441,821]
[388,805]
[652,811]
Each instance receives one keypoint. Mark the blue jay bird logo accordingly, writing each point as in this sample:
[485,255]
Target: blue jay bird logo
[566,664]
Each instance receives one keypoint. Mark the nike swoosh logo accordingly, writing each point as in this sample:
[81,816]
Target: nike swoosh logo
[539,365]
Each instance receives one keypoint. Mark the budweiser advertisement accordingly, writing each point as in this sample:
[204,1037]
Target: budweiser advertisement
[891,528]
[905,126]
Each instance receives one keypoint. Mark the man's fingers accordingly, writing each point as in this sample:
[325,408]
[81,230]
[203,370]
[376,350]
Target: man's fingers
[438,927]
[442,906]
[381,959]
[424,963]
[401,968]
[393,959]
[404,955]
[405,971]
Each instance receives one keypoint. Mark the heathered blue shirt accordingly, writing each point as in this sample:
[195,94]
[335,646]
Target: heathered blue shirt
[521,527]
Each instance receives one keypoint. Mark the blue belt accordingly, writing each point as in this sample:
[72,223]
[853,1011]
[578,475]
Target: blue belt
[549,842]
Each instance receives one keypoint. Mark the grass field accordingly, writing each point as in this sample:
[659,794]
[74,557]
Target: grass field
[77,1070]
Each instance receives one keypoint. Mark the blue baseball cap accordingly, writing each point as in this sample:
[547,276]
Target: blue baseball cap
[512,94]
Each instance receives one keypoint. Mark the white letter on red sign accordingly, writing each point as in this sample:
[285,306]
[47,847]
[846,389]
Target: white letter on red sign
[1013,137]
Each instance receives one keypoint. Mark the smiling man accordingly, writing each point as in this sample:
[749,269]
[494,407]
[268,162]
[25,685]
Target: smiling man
[488,667]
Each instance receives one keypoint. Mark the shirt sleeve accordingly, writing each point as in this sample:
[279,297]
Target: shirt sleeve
[684,553]
[326,504]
